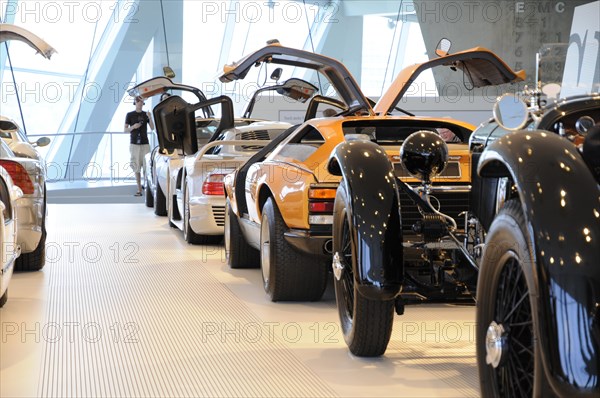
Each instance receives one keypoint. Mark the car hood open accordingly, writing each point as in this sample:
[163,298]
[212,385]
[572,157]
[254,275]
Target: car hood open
[13,32]
[337,74]
[480,65]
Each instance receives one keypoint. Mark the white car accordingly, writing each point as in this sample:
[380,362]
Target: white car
[158,166]
[9,248]
[29,175]
[163,167]
[198,204]
[195,198]
[158,162]
[27,171]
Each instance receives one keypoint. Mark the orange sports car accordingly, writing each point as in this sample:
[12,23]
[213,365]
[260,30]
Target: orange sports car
[279,208]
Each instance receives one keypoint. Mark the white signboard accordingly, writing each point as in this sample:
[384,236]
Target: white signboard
[582,66]
[292,117]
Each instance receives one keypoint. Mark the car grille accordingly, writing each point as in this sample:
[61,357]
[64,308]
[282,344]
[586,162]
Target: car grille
[452,170]
[254,135]
[451,204]
[219,215]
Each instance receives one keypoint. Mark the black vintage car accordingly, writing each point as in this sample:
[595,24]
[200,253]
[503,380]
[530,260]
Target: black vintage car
[535,211]
[399,241]
[538,314]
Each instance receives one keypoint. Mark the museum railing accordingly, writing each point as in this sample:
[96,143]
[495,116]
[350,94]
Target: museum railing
[88,156]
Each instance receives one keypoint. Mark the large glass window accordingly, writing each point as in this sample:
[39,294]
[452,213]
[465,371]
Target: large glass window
[47,87]
[215,33]
[224,32]
[399,44]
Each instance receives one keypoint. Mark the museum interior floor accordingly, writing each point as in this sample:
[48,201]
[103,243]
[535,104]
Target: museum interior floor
[125,308]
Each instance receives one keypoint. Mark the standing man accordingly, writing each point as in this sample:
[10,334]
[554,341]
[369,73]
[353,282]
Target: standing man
[135,125]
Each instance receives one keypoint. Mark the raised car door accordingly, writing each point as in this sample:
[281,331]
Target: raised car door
[330,71]
[176,122]
[13,32]
[479,65]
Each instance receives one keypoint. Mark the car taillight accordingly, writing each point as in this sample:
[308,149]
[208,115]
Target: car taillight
[320,205]
[213,185]
[19,175]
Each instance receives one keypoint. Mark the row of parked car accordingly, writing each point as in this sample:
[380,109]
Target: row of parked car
[22,186]
[404,209]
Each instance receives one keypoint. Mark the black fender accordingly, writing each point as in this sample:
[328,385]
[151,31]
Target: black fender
[368,176]
[561,203]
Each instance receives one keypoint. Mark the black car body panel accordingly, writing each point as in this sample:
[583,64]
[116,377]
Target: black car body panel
[561,203]
[378,273]
[176,122]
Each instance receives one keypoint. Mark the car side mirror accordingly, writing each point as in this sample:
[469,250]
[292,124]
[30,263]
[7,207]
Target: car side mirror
[168,72]
[510,112]
[276,75]
[43,141]
[297,89]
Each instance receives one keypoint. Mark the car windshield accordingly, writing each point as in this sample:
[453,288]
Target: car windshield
[205,129]
[394,132]
[266,134]
[5,151]
[258,78]
[552,62]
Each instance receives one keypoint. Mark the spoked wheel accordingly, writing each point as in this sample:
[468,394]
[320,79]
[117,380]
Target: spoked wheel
[366,324]
[507,349]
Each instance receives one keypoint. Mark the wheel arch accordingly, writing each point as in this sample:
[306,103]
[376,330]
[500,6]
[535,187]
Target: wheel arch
[368,175]
[264,193]
[561,205]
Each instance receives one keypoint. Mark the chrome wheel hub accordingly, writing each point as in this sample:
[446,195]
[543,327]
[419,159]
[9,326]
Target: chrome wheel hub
[496,344]
[338,266]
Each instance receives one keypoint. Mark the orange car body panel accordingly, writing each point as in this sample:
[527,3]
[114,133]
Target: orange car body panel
[289,179]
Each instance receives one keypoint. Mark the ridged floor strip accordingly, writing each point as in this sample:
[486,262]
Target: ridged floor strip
[131,317]
[125,308]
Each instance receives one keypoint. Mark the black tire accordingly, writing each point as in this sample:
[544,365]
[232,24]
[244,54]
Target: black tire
[4,298]
[366,324]
[238,252]
[188,233]
[160,202]
[288,275]
[504,309]
[149,198]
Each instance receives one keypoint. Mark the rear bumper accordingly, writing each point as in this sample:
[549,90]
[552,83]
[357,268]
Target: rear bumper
[307,242]
[207,215]
[30,213]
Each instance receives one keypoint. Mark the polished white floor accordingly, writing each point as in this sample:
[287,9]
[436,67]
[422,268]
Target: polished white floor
[125,308]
